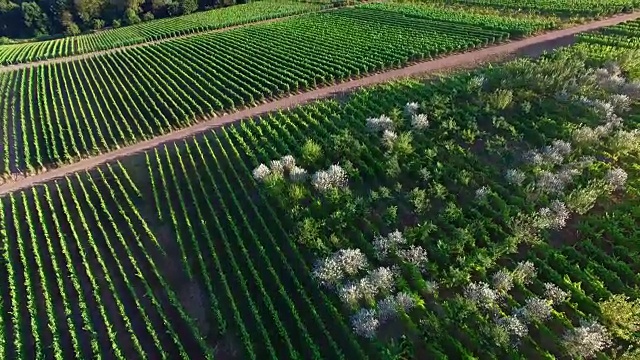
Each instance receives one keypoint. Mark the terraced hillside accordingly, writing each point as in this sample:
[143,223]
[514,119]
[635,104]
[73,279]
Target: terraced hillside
[482,215]
[55,113]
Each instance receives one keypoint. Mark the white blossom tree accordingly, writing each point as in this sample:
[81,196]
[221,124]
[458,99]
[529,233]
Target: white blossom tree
[388,245]
[616,178]
[553,217]
[411,108]
[414,255]
[351,260]
[349,293]
[288,162]
[621,102]
[513,326]
[405,301]
[419,121]
[261,172]
[365,323]
[328,272]
[554,294]
[515,177]
[389,138]
[344,262]
[482,192]
[383,279]
[555,183]
[587,340]
[277,167]
[535,309]
[298,174]
[524,273]
[387,308]
[332,178]
[380,123]
[481,294]
[502,281]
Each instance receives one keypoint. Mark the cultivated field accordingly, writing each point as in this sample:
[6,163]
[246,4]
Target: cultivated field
[58,112]
[152,31]
[624,35]
[489,214]
[562,7]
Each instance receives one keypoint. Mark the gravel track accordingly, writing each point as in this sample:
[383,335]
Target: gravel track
[533,46]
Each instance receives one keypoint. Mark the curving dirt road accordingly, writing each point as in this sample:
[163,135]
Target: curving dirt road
[533,46]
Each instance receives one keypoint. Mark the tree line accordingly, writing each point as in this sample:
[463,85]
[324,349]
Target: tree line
[42,18]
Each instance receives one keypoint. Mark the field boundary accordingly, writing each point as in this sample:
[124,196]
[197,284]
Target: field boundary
[532,46]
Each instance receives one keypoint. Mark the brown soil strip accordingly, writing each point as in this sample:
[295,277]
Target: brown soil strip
[533,46]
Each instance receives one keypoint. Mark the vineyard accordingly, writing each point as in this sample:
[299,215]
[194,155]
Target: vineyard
[515,26]
[150,31]
[490,214]
[55,113]
[625,35]
[564,7]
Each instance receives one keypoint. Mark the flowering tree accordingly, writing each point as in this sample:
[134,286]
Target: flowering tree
[411,108]
[514,327]
[555,183]
[380,123]
[551,154]
[616,178]
[365,323]
[414,255]
[387,245]
[535,309]
[298,174]
[389,138]
[328,272]
[419,121]
[554,294]
[553,217]
[345,262]
[389,306]
[481,294]
[502,281]
[587,340]
[333,178]
[524,273]
[383,279]
[261,172]
[515,177]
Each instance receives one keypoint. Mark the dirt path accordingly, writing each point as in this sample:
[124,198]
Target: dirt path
[533,46]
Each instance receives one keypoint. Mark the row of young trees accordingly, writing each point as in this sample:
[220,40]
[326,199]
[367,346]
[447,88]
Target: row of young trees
[41,18]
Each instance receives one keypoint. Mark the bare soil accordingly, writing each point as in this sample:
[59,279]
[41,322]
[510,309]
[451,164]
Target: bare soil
[531,47]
